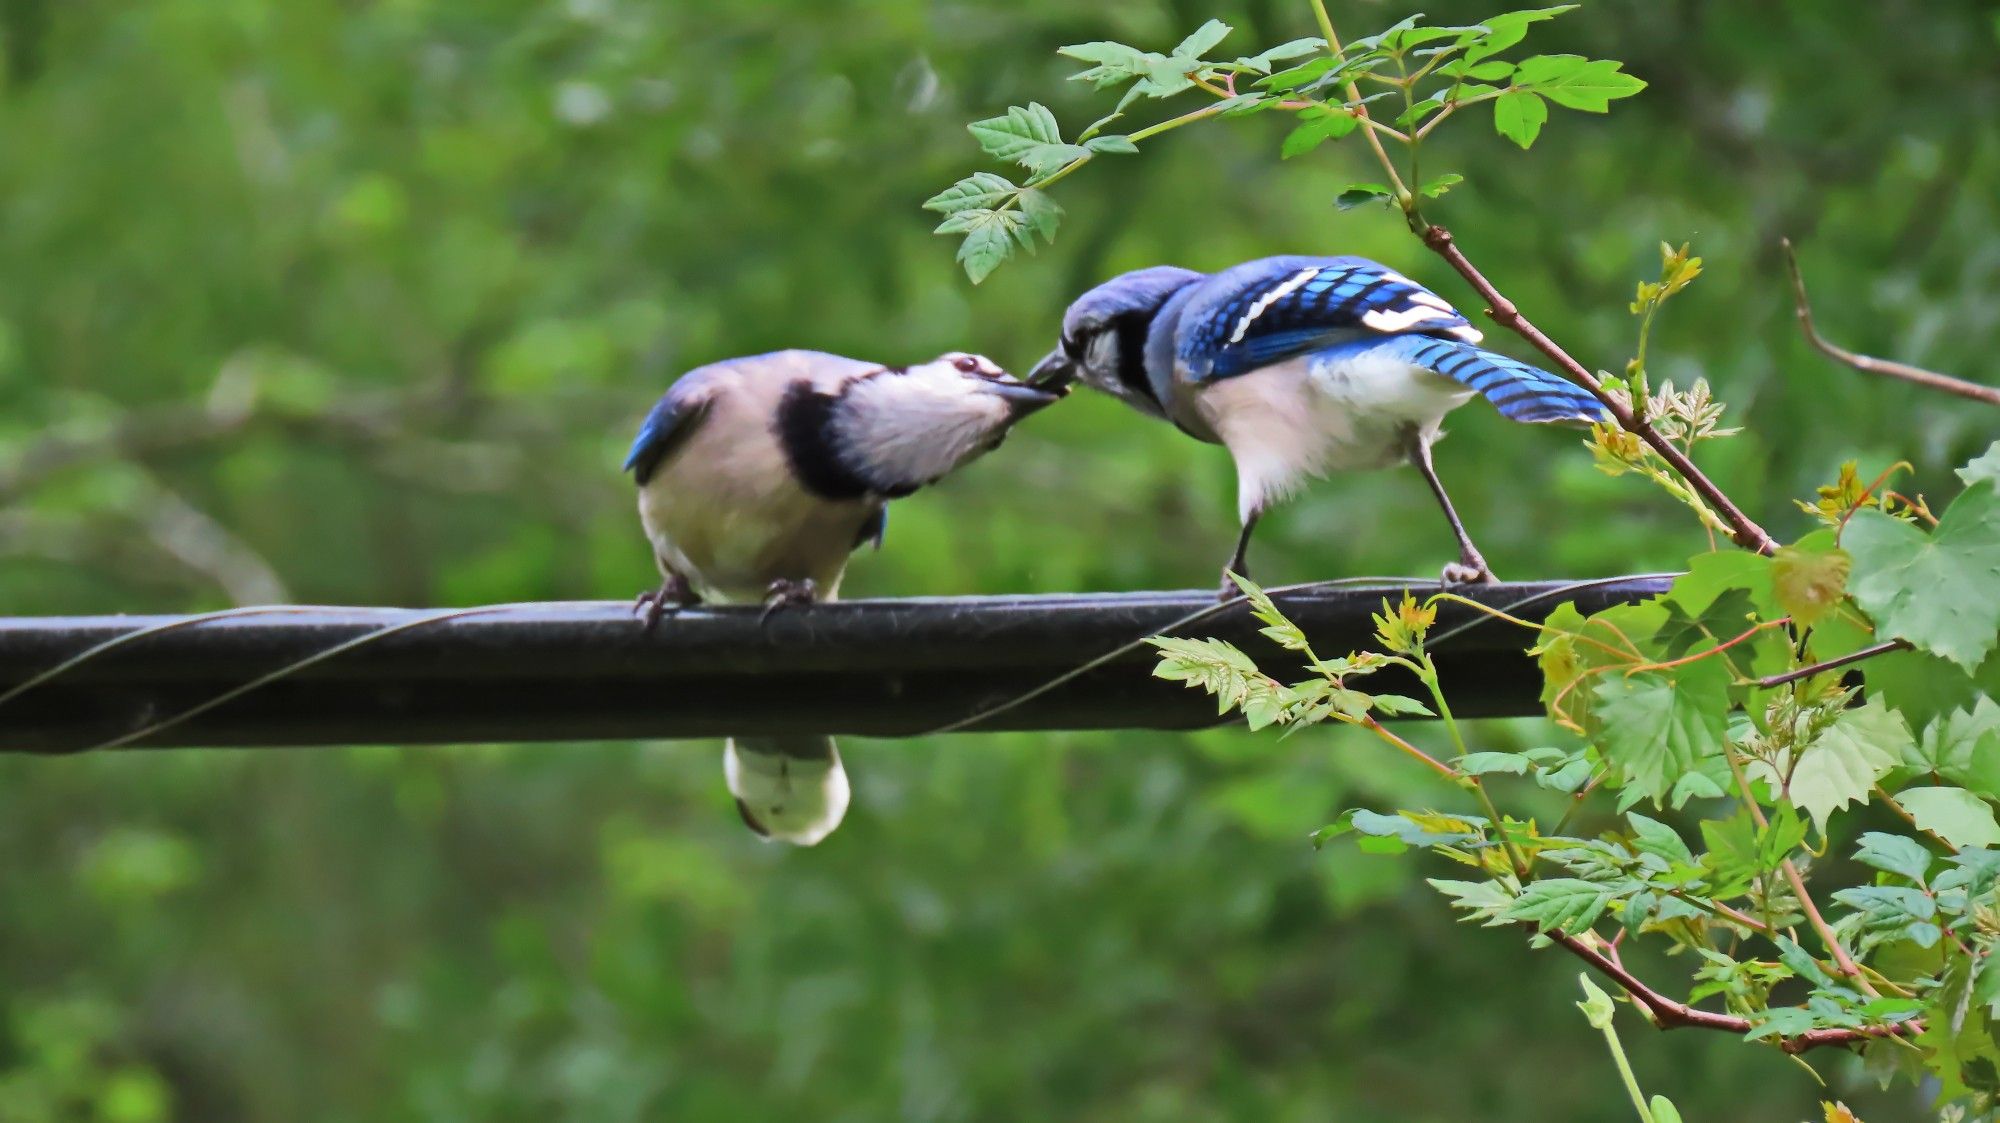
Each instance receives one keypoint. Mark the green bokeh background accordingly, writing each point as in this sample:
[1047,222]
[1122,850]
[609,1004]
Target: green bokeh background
[369,296]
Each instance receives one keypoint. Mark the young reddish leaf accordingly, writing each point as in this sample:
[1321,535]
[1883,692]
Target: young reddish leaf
[1810,578]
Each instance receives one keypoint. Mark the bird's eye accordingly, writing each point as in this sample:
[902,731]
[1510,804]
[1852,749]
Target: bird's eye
[966,363]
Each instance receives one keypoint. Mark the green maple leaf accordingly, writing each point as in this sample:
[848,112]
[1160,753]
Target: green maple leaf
[1940,591]
[1963,746]
[1953,814]
[1959,1043]
[1844,762]
[1713,574]
[1658,728]
[1986,467]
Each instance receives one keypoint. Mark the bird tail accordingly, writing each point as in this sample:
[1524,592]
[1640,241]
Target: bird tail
[792,789]
[1522,392]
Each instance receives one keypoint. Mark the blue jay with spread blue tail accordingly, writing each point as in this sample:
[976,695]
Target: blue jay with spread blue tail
[759,476]
[1300,366]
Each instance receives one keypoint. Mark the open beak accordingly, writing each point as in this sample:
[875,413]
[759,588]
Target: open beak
[1055,372]
[1023,398]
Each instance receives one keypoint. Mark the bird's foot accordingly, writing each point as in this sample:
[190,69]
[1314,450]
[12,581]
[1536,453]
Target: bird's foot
[784,593]
[1228,590]
[1469,571]
[672,596]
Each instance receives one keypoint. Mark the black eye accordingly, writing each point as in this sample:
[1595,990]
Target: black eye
[966,363]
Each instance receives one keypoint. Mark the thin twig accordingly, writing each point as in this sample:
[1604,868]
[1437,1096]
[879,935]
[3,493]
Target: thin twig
[1360,108]
[1369,723]
[1868,364]
[1769,681]
[1750,633]
[1668,1014]
[1504,312]
[200,542]
[1723,911]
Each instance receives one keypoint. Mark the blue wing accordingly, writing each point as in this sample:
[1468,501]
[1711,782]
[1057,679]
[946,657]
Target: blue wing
[1278,308]
[1521,392]
[672,421]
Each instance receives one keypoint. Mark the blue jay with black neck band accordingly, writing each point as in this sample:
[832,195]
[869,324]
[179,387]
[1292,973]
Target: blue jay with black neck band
[1300,366]
[759,476]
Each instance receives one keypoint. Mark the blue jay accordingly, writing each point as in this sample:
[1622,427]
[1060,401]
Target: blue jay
[759,476]
[1299,366]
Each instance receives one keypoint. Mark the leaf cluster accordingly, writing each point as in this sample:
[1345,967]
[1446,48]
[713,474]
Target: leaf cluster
[1426,73]
[1710,703]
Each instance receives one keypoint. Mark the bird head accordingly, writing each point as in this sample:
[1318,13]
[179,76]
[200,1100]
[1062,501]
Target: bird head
[1104,335]
[903,427]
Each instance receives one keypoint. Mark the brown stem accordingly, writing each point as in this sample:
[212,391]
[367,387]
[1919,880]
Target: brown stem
[1751,633]
[1843,962]
[1769,681]
[1369,723]
[1668,1014]
[1727,913]
[1868,364]
[1747,533]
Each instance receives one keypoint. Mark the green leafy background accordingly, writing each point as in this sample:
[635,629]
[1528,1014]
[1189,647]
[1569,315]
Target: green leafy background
[360,303]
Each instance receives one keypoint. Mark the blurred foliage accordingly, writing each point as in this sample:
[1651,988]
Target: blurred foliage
[359,302]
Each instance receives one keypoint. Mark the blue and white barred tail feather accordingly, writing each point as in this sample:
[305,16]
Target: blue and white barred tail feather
[1519,391]
[790,789]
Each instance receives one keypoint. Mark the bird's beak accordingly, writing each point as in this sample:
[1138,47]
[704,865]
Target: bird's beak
[1055,372]
[1023,398]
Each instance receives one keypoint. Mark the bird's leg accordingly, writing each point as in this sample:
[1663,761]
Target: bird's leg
[673,595]
[785,592]
[1470,569]
[1236,564]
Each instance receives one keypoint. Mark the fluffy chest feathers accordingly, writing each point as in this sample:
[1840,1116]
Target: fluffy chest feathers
[725,511]
[1325,412]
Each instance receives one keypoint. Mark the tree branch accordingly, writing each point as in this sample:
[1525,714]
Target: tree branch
[194,538]
[1769,681]
[1668,1014]
[1747,533]
[143,434]
[1868,364]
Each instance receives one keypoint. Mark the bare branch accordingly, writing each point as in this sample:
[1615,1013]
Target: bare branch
[1868,364]
[196,540]
[1769,681]
[392,424]
[143,434]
